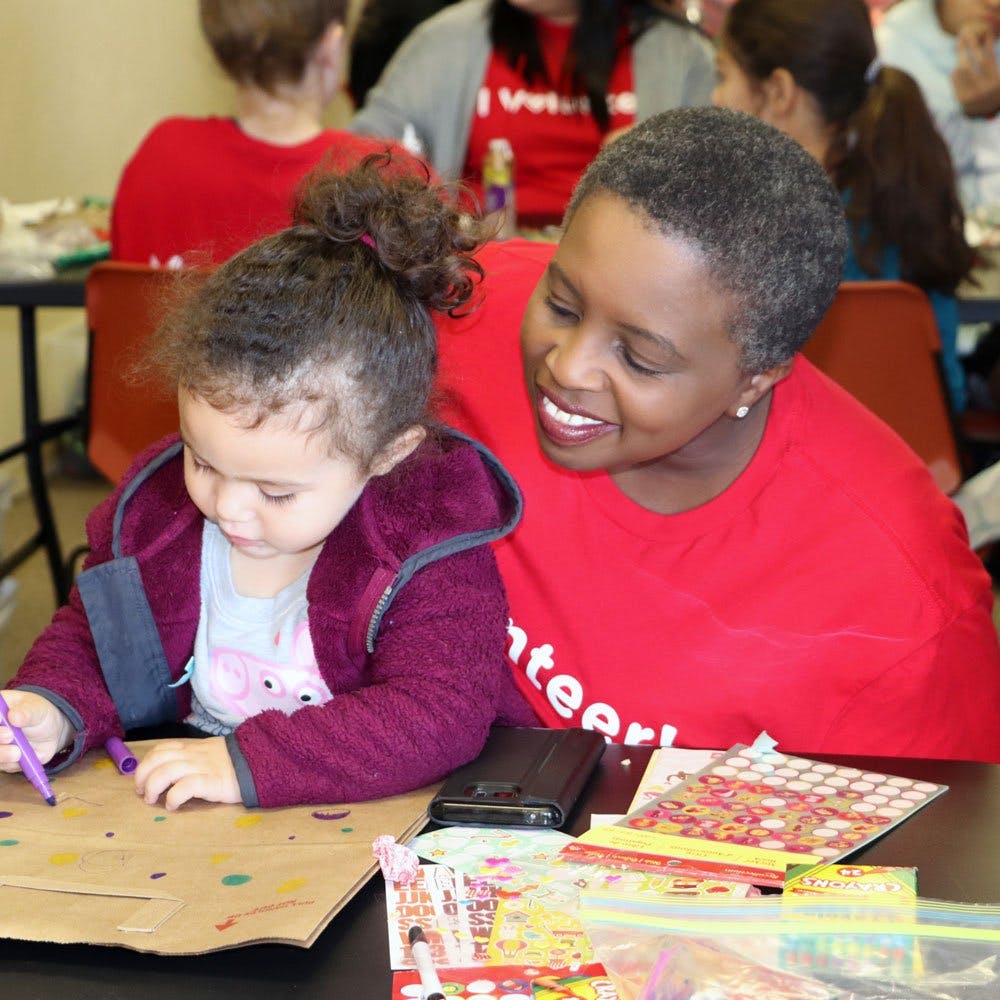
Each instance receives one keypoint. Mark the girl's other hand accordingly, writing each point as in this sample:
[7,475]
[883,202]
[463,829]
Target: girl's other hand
[45,726]
[191,769]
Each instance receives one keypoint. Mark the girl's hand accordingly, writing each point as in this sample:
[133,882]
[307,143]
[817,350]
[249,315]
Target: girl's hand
[45,726]
[976,77]
[191,769]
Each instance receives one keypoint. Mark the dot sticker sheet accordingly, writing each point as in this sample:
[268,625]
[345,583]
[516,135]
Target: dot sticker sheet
[750,813]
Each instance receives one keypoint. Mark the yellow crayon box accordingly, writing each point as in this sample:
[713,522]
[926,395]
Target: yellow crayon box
[877,881]
[825,903]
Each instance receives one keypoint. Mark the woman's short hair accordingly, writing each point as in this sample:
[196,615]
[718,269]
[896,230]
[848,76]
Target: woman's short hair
[760,209]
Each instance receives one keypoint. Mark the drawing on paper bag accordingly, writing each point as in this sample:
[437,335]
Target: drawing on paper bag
[102,867]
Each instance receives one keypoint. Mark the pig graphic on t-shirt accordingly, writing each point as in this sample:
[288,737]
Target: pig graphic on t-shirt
[244,684]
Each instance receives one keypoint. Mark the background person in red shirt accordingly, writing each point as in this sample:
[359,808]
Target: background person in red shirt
[197,190]
[553,77]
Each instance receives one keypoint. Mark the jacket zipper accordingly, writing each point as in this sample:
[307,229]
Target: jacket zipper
[375,618]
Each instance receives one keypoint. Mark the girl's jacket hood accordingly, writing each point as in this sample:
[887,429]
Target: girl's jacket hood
[452,494]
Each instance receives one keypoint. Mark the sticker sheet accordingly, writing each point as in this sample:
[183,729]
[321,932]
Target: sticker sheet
[750,814]
[667,767]
[472,921]
[637,886]
[454,912]
[500,982]
[517,860]
[525,931]
[528,864]
[499,895]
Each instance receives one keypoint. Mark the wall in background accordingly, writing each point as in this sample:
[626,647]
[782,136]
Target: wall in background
[82,82]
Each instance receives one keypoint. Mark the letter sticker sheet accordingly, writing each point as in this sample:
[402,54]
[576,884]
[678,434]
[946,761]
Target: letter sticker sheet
[471,921]
[749,814]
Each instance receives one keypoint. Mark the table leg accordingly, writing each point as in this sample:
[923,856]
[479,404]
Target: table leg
[36,433]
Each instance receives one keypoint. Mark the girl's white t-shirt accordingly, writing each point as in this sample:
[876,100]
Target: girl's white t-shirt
[251,654]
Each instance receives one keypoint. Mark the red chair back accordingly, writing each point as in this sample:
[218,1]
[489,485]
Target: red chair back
[124,304]
[879,340]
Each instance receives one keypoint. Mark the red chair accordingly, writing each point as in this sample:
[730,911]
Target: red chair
[879,340]
[124,304]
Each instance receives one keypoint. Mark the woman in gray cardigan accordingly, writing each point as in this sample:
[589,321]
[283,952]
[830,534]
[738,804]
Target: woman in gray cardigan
[432,90]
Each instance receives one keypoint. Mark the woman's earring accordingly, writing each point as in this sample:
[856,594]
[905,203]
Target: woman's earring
[742,412]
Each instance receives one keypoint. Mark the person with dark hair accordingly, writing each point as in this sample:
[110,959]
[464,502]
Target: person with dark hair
[302,573]
[556,78]
[717,538]
[199,189]
[810,69]
[381,27]
[952,49]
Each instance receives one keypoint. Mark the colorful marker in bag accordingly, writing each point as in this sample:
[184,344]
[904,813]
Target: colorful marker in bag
[430,985]
[29,762]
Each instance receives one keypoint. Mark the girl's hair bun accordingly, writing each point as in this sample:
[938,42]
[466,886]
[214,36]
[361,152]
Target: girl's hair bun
[334,311]
[405,222]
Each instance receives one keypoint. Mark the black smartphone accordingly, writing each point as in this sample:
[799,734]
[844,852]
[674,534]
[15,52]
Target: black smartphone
[523,777]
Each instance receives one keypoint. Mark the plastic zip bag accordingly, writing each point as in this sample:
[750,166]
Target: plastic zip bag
[816,949]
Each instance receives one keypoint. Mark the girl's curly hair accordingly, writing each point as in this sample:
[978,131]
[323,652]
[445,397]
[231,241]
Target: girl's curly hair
[334,311]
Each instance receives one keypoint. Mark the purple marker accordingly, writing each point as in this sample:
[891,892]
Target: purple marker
[124,759]
[29,762]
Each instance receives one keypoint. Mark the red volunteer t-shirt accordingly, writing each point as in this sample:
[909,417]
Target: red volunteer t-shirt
[201,189]
[553,135]
[828,596]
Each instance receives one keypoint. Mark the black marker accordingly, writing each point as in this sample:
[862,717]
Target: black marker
[421,951]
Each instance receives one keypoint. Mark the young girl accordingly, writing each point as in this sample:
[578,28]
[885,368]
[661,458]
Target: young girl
[809,68]
[302,573]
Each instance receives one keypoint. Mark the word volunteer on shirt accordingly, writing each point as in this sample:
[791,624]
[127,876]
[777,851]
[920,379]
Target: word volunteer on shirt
[548,102]
[565,694]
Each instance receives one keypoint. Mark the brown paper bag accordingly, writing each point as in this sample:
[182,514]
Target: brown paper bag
[102,867]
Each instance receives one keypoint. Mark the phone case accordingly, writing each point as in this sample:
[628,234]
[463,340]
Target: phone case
[523,777]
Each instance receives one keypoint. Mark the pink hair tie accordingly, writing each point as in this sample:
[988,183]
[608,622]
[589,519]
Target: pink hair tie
[367,240]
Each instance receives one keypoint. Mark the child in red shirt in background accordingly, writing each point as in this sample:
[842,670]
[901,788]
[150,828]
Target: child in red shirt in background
[197,190]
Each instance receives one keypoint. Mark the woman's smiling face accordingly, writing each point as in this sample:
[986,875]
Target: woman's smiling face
[626,348]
